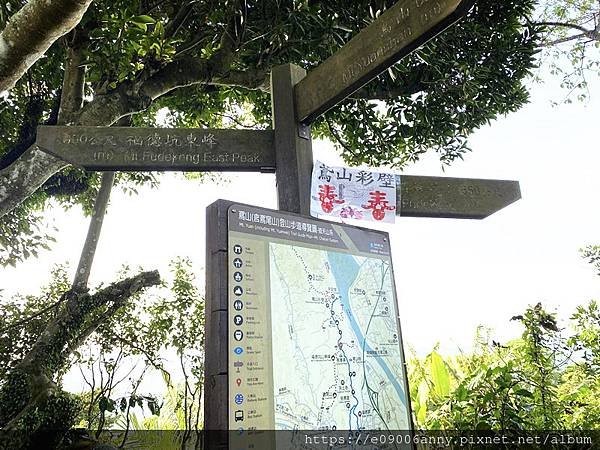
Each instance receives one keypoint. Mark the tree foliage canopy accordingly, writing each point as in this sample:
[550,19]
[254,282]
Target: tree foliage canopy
[548,379]
[114,348]
[570,38]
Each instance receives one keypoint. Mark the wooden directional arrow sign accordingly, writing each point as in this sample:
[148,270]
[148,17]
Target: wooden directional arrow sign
[456,198]
[128,149]
[145,149]
[398,31]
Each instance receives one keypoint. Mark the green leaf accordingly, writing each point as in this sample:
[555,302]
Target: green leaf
[143,19]
[523,393]
[439,375]
[462,394]
[106,404]
[422,402]
[141,25]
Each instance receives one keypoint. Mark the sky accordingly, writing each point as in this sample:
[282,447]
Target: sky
[451,275]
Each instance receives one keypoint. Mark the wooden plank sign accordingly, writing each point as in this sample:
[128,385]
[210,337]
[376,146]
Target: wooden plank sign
[398,31]
[140,149]
[456,198]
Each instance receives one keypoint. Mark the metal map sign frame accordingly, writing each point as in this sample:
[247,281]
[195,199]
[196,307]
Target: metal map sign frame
[227,257]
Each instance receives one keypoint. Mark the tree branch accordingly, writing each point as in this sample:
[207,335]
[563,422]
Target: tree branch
[151,359]
[564,25]
[47,352]
[592,34]
[30,167]
[565,39]
[43,311]
[24,176]
[129,97]
[257,79]
[73,86]
[28,173]
[31,31]
[180,18]
[336,135]
[86,259]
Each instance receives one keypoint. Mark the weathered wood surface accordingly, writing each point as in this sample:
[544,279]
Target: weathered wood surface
[216,343]
[456,198]
[293,145]
[140,149]
[398,31]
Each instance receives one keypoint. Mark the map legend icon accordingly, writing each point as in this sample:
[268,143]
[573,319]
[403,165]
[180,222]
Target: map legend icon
[238,305]
[238,290]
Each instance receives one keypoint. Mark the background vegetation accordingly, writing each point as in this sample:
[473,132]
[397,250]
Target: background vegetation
[547,379]
[207,64]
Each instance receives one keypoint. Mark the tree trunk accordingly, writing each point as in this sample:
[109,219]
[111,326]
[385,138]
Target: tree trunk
[91,242]
[31,31]
[25,176]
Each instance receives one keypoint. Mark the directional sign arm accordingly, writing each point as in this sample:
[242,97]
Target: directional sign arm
[398,31]
[456,198]
[145,149]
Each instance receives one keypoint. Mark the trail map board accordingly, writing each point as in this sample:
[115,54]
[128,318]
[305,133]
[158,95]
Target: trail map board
[313,338]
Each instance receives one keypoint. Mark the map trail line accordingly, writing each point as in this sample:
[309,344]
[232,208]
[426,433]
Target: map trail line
[371,392]
[348,375]
[345,269]
[297,347]
[352,410]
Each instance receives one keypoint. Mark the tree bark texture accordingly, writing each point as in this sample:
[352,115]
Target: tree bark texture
[17,179]
[31,31]
[73,86]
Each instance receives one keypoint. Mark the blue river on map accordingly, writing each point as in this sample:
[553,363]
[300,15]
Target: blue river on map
[345,270]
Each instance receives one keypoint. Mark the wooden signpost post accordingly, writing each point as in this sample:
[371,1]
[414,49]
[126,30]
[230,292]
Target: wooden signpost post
[297,99]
